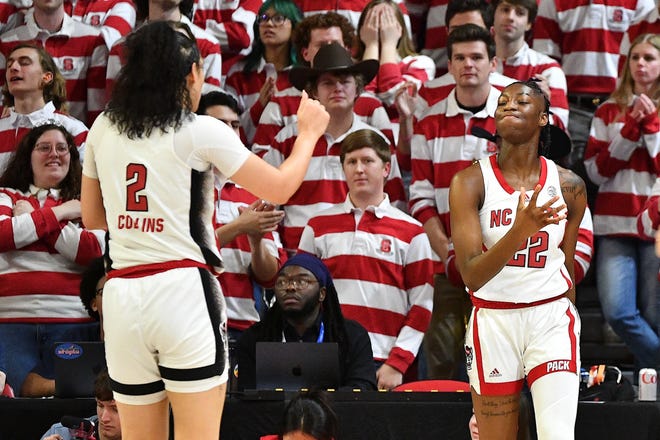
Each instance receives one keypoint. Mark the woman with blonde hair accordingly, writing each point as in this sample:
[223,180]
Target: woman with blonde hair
[623,159]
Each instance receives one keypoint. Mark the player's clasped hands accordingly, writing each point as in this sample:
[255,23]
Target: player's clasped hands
[530,218]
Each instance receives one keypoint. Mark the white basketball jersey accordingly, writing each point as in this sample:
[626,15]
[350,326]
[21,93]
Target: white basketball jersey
[158,190]
[536,272]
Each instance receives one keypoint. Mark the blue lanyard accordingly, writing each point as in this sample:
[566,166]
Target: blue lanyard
[321,333]
[318,340]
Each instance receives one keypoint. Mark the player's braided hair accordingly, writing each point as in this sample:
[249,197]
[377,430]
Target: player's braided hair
[544,137]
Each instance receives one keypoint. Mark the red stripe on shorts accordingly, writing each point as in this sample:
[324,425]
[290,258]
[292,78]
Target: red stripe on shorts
[558,365]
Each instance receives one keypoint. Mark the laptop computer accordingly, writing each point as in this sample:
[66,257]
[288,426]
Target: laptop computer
[76,366]
[296,365]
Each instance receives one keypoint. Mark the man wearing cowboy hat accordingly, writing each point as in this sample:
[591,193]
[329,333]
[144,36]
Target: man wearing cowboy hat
[312,33]
[336,81]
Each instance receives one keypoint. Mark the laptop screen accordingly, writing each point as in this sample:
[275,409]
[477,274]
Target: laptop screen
[295,365]
[76,366]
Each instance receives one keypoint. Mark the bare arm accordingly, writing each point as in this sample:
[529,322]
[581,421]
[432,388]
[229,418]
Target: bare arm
[91,204]
[465,197]
[437,237]
[263,264]
[405,101]
[574,193]
[36,385]
[278,184]
[255,220]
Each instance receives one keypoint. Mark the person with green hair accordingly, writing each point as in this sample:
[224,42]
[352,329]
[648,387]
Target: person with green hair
[265,70]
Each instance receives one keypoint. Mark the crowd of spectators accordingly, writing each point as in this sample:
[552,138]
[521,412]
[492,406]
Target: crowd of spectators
[406,83]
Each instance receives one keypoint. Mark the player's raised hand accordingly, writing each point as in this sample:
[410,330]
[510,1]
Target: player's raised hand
[530,218]
[312,117]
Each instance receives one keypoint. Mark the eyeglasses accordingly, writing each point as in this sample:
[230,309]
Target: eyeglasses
[277,19]
[296,283]
[61,149]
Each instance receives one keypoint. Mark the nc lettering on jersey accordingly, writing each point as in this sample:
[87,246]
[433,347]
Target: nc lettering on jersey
[501,217]
[143,224]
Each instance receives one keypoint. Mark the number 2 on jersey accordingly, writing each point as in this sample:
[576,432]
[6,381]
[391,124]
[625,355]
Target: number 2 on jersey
[530,253]
[136,181]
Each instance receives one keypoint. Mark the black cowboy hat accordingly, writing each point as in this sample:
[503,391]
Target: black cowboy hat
[332,58]
[560,143]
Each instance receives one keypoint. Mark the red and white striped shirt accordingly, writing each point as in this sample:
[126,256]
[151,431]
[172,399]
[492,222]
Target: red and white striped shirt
[585,35]
[230,22]
[648,220]
[10,15]
[584,248]
[649,25]
[442,145]
[526,63]
[80,53]
[246,86]
[324,183]
[433,12]
[283,107]
[236,280]
[623,158]
[115,18]
[351,9]
[391,77]
[41,260]
[380,260]
[15,125]
[209,50]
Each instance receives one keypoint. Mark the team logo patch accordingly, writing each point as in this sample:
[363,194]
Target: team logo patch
[617,15]
[491,147]
[67,64]
[494,373]
[468,357]
[552,191]
[95,21]
[386,245]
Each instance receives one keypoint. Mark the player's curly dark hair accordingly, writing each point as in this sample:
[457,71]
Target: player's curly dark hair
[90,278]
[151,91]
[19,174]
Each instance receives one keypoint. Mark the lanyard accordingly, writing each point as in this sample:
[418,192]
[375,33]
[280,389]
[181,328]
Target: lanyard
[319,339]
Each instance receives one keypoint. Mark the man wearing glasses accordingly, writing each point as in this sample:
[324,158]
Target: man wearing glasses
[307,310]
